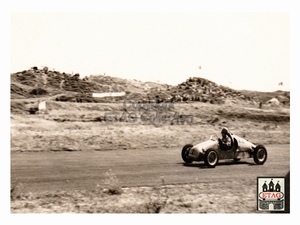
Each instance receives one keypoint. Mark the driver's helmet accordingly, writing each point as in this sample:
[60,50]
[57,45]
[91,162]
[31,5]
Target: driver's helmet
[224,130]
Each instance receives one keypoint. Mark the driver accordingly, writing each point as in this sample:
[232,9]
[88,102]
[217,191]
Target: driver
[226,141]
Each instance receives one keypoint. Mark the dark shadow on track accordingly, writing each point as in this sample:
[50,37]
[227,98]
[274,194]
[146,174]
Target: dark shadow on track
[225,163]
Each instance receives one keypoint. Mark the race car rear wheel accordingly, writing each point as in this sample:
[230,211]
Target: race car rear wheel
[185,153]
[211,158]
[260,155]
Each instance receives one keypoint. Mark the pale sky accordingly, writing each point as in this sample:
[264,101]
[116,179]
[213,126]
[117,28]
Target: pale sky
[240,50]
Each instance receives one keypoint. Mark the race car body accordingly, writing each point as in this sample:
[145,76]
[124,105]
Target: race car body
[210,151]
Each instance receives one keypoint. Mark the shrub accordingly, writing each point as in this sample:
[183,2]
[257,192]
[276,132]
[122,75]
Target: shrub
[112,184]
[45,69]
[33,110]
[38,91]
[14,190]
[155,205]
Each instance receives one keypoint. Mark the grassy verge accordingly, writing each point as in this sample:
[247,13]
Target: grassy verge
[75,127]
[185,198]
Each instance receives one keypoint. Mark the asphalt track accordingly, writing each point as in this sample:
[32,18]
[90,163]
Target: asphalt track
[51,171]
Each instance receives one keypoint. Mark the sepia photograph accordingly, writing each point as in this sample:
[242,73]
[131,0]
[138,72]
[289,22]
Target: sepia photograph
[150,112]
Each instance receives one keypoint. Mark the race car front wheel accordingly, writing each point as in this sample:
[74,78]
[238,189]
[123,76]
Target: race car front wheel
[260,155]
[211,158]
[185,153]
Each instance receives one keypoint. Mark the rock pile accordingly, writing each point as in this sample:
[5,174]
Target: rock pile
[203,90]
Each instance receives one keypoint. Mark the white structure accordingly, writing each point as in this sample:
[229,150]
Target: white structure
[108,94]
[42,105]
[273,101]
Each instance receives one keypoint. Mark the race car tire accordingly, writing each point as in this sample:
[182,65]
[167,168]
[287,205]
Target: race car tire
[184,153]
[260,155]
[211,158]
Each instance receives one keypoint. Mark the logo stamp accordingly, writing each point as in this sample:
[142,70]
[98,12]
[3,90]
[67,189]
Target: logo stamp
[270,193]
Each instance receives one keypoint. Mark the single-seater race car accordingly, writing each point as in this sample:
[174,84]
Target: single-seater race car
[210,151]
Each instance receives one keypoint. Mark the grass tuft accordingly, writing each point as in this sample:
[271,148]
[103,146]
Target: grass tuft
[112,184]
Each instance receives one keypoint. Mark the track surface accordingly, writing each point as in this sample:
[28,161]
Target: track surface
[51,171]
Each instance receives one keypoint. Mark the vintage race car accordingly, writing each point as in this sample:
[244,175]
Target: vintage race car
[210,151]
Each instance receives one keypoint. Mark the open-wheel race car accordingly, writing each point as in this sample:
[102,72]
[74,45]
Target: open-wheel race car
[210,151]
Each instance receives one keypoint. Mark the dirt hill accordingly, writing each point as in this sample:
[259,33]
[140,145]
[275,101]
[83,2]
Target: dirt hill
[59,86]
[43,84]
